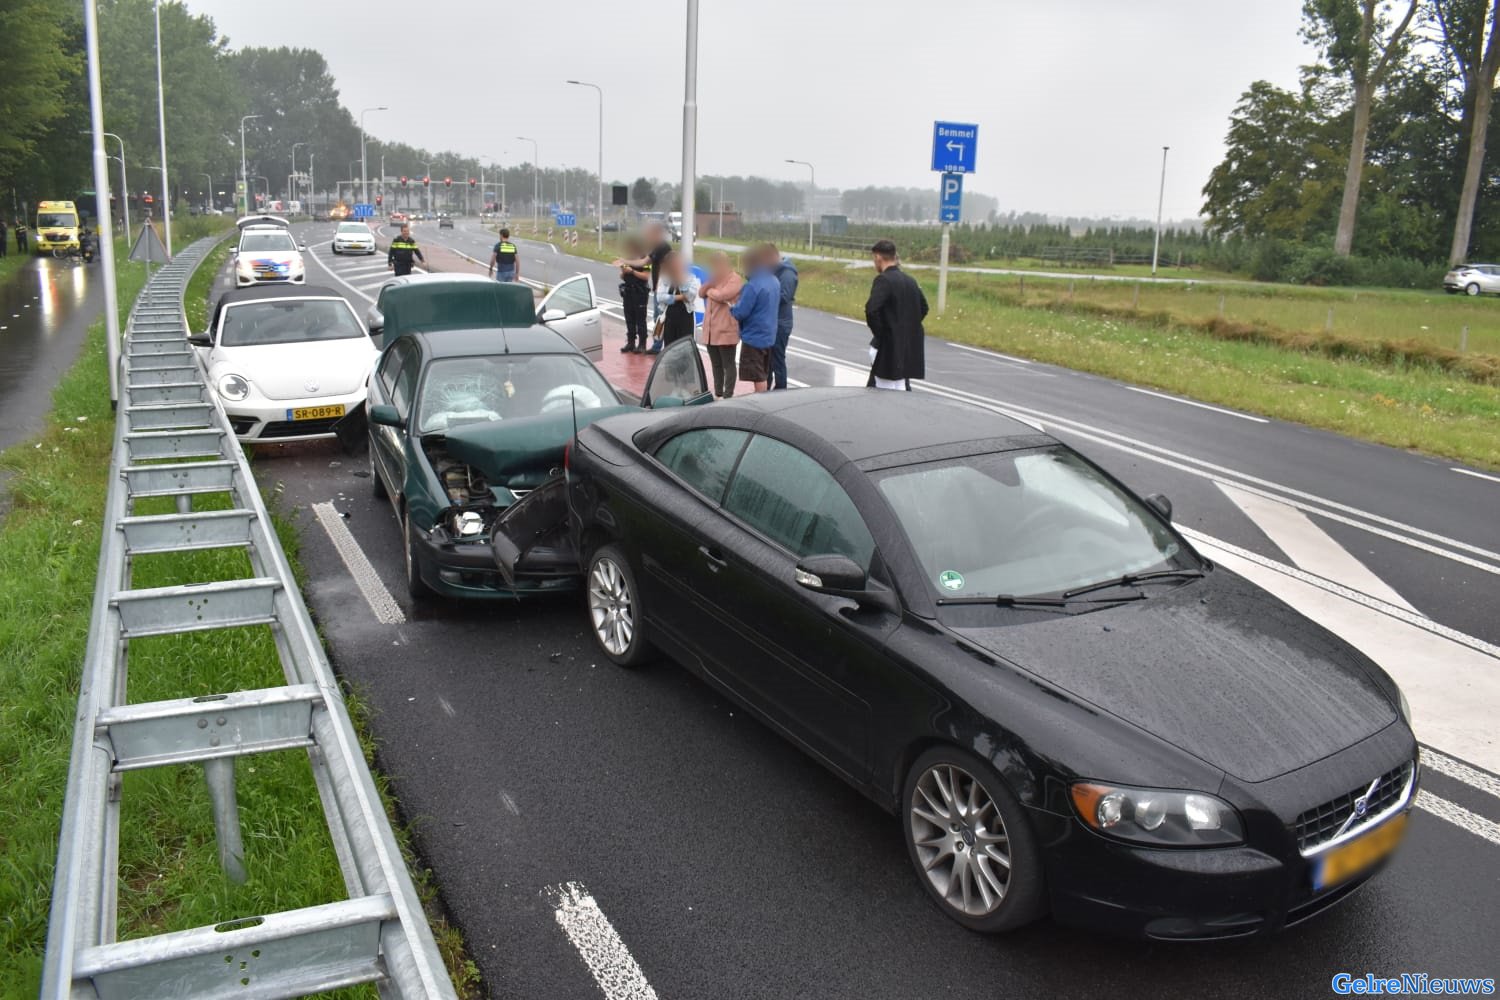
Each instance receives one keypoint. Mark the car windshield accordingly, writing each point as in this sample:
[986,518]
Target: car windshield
[357,228]
[263,242]
[288,321]
[1025,524]
[457,391]
[48,219]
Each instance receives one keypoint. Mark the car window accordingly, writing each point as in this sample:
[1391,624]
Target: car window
[358,228]
[791,499]
[266,242]
[704,458]
[390,365]
[287,321]
[405,382]
[572,296]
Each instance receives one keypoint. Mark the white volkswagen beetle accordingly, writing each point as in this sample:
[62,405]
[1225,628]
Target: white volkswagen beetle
[287,362]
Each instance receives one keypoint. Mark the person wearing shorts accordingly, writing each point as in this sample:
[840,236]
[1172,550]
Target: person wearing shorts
[755,312]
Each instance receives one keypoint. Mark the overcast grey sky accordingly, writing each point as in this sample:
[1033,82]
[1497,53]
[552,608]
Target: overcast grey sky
[1074,98]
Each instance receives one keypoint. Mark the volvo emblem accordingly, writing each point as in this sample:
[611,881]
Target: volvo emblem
[1361,807]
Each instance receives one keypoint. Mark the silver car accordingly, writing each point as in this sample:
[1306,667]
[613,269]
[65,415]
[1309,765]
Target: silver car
[1473,279]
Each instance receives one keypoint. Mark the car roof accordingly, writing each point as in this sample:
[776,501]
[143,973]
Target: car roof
[470,343]
[266,292]
[876,428]
[262,220]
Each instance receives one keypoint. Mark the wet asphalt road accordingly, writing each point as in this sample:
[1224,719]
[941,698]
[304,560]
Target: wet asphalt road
[729,863]
[45,312]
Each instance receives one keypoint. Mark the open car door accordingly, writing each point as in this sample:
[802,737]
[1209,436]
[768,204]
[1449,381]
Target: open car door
[677,378]
[572,310]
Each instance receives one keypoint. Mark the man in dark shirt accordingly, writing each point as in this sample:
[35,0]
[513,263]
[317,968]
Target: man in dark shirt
[20,236]
[403,250]
[505,259]
[894,313]
[656,239]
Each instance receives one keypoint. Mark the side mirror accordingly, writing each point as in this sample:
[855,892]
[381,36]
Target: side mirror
[551,316]
[837,575]
[234,251]
[200,340]
[386,416]
[1159,503]
[302,246]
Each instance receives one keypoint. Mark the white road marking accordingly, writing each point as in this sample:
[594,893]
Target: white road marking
[446,706]
[1452,680]
[595,937]
[381,603]
[1194,402]
[846,319]
[1476,475]
[988,354]
[1459,816]
[798,336]
[1459,771]
[1309,546]
[509,803]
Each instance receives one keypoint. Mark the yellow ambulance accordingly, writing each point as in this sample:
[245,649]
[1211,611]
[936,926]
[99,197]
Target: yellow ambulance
[56,227]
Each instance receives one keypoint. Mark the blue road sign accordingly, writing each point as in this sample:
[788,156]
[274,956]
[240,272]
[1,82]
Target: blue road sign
[951,194]
[566,219]
[364,211]
[954,146]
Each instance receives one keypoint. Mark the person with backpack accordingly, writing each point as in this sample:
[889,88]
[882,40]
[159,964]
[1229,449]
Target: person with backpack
[505,259]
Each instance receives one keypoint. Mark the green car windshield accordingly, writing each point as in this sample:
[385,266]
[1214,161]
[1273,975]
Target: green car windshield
[460,391]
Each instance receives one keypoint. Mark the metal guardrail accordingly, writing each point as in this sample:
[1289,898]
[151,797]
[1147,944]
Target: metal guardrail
[172,439]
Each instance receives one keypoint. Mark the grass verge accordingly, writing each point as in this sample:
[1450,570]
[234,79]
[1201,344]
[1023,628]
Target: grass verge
[169,874]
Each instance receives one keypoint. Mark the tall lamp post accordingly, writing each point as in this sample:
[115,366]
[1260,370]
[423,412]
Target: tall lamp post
[209,191]
[1160,197]
[600,203]
[812,189]
[690,133]
[312,185]
[427,176]
[244,176]
[161,121]
[364,185]
[107,261]
[293,192]
[536,185]
[124,181]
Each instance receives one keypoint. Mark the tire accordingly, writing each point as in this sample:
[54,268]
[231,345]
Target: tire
[1471,289]
[416,589]
[377,485]
[943,831]
[335,251]
[614,607]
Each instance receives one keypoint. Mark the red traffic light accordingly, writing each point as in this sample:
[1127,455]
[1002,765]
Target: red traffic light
[403,182]
[380,199]
[426,181]
[472,182]
[447,182]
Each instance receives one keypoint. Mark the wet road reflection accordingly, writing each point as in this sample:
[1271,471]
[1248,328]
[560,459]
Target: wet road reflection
[45,310]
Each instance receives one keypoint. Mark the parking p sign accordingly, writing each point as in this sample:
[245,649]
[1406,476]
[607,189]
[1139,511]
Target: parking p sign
[954,145]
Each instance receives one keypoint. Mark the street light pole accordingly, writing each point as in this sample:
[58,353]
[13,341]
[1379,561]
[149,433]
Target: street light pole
[536,184]
[364,184]
[210,190]
[106,223]
[812,180]
[293,193]
[600,203]
[721,208]
[1160,197]
[244,176]
[161,122]
[124,181]
[690,133]
[427,176]
[312,187]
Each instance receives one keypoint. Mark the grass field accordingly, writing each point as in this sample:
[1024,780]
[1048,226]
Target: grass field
[169,873]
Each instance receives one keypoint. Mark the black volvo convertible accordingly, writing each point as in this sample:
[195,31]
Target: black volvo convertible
[1069,709]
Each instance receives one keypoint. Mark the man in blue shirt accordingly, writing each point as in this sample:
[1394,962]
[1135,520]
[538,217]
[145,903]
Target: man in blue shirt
[756,312]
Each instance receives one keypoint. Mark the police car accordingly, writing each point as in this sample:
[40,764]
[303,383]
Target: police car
[267,253]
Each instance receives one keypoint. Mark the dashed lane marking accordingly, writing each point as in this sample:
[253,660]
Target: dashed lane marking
[798,336]
[1194,402]
[1476,475]
[1459,816]
[988,354]
[381,603]
[1459,771]
[597,941]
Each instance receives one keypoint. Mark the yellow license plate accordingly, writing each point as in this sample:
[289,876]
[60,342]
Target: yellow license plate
[1358,855]
[315,412]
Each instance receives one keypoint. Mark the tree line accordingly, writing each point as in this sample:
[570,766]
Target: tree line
[1376,165]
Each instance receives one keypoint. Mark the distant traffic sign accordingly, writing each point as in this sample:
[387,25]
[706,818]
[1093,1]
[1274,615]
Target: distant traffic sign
[567,219]
[954,145]
[952,197]
[364,210]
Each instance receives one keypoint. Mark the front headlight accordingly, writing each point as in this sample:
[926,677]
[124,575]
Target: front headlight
[234,387]
[1159,817]
[467,524]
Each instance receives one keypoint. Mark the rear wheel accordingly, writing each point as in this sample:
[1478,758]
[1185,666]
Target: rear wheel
[971,845]
[1471,289]
[615,608]
[415,587]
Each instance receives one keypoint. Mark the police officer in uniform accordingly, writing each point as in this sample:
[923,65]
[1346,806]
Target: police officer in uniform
[505,260]
[403,249]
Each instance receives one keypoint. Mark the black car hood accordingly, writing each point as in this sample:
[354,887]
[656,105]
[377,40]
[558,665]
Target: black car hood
[1218,668]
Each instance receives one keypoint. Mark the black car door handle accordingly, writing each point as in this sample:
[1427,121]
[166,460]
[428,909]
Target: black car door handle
[716,560]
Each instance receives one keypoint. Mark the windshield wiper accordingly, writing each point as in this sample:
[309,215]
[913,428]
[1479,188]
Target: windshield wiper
[1012,601]
[1130,579]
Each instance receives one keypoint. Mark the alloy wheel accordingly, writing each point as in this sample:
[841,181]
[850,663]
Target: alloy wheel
[961,842]
[611,607]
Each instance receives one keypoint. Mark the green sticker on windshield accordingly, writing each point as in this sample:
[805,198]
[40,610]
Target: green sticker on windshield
[951,580]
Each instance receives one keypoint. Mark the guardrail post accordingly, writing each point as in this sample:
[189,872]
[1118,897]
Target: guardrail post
[219,773]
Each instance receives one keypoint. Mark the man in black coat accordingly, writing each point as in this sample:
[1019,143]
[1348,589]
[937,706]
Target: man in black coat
[894,313]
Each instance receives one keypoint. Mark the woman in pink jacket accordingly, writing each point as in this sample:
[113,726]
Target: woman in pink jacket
[720,330]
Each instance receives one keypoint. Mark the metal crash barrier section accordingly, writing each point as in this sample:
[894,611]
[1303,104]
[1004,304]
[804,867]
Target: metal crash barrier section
[172,439]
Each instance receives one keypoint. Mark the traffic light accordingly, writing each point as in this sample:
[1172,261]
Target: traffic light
[403,182]
[447,182]
[426,181]
[380,199]
[473,182]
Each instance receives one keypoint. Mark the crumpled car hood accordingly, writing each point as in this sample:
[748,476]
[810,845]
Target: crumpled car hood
[506,448]
[1218,668]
